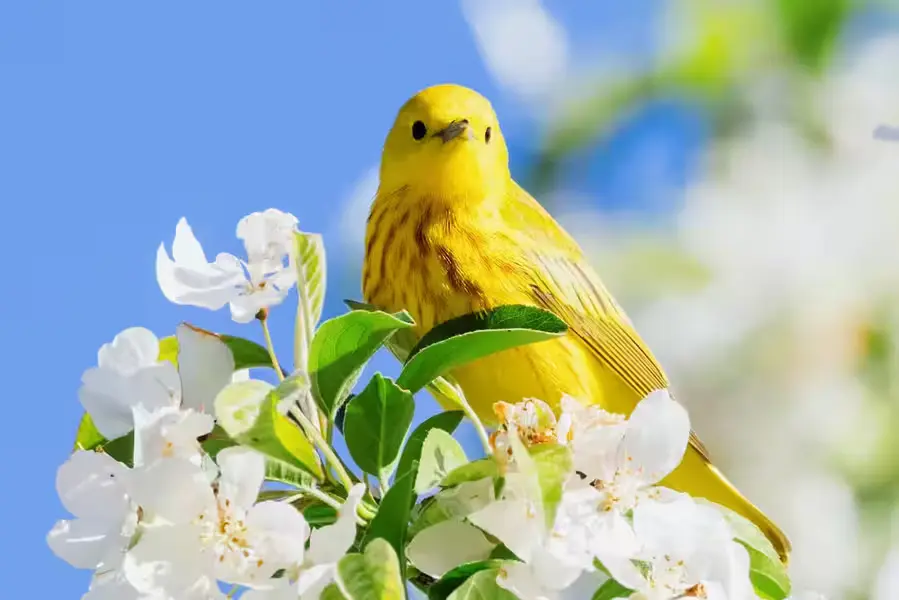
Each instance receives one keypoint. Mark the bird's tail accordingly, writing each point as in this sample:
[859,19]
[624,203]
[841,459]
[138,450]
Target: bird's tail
[698,477]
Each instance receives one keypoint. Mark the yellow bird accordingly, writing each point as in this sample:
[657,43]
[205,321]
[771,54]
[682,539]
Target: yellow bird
[450,233]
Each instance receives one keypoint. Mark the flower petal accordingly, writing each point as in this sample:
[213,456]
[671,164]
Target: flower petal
[278,532]
[186,249]
[246,306]
[314,580]
[329,544]
[243,471]
[104,395]
[205,365]
[170,558]
[87,544]
[656,436]
[174,490]
[130,350]
[514,523]
[93,486]
[446,545]
[169,433]
[189,279]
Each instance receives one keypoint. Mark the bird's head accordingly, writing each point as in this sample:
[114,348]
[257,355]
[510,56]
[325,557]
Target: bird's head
[446,141]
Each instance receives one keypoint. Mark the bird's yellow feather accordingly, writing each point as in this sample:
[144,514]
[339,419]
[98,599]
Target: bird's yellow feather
[451,233]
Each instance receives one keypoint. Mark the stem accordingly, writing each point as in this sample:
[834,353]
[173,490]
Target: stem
[271,347]
[319,495]
[453,391]
[234,589]
[384,484]
[330,457]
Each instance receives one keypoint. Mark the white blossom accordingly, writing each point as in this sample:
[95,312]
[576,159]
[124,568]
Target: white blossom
[128,374]
[197,536]
[94,488]
[313,571]
[261,281]
[130,378]
[686,549]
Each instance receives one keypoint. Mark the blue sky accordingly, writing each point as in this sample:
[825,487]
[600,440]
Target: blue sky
[117,118]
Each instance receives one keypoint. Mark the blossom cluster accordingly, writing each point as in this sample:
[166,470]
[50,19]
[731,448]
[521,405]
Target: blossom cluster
[611,515]
[193,479]
[179,521]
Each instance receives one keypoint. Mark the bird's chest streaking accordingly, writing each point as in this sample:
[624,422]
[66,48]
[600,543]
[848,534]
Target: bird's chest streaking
[439,263]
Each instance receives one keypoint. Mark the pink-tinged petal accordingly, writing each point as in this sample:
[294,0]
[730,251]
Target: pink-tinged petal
[205,365]
[328,544]
[243,471]
[656,437]
[278,532]
[93,486]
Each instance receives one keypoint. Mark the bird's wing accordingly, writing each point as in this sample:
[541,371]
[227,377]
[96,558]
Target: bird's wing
[562,282]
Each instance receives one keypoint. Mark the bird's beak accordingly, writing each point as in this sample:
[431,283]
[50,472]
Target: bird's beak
[453,130]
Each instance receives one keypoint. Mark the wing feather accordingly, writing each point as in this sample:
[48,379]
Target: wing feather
[562,282]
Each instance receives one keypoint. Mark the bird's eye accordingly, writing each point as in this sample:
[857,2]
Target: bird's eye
[419,130]
[487,135]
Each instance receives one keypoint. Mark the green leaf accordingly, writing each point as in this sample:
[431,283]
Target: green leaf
[400,345]
[247,354]
[332,592]
[376,423]
[121,448]
[766,571]
[440,454]
[476,469]
[452,503]
[311,274]
[309,258]
[810,29]
[473,336]
[554,463]
[87,437]
[481,586]
[392,519]
[340,349]
[452,580]
[612,589]
[372,575]
[248,413]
